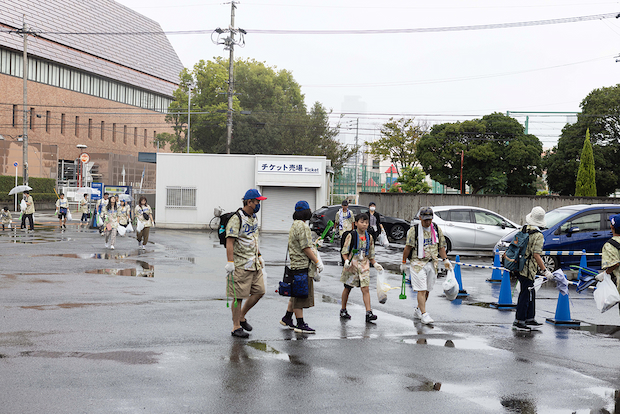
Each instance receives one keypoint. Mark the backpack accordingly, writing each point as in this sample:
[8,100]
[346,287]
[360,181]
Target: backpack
[416,239]
[514,258]
[354,240]
[224,218]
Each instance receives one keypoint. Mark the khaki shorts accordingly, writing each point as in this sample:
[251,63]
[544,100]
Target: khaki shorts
[244,283]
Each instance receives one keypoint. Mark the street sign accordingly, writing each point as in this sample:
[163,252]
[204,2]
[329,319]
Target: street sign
[15,164]
[84,158]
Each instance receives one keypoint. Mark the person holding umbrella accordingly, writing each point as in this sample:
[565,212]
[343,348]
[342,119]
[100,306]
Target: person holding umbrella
[29,211]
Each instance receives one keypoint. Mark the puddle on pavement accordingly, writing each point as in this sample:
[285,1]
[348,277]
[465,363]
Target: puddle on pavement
[610,330]
[268,350]
[106,256]
[481,304]
[425,386]
[145,270]
[464,343]
[126,357]
[328,299]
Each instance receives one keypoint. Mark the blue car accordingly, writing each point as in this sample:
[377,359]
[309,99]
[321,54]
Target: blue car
[573,228]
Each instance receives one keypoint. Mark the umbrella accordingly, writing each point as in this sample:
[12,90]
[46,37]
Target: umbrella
[19,189]
[125,197]
[88,190]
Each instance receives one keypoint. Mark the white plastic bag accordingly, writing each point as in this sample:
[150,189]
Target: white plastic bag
[382,287]
[22,205]
[317,275]
[606,294]
[140,226]
[383,240]
[69,217]
[450,286]
[121,230]
[129,228]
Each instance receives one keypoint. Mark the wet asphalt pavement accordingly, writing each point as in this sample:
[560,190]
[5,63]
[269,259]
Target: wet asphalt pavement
[89,330]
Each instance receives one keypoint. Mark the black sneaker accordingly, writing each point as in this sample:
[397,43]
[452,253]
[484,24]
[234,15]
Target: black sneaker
[245,325]
[520,326]
[532,322]
[370,316]
[304,328]
[287,322]
[344,314]
[240,333]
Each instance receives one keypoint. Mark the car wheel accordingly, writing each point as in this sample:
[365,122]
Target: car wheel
[551,262]
[397,232]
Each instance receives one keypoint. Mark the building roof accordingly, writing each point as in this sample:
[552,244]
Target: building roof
[144,60]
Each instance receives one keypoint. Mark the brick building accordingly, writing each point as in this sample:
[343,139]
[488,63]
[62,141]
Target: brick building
[88,84]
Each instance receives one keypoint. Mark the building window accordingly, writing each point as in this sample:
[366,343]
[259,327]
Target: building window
[154,139]
[102,130]
[90,128]
[14,115]
[181,197]
[77,126]
[145,133]
[62,124]
[125,134]
[113,132]
[48,117]
[135,136]
[375,164]
[32,117]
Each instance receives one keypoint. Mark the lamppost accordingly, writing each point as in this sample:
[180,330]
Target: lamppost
[190,87]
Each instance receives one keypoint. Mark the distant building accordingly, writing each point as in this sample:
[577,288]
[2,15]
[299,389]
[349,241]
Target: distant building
[88,85]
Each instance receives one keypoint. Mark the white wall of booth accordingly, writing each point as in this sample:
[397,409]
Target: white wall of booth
[191,186]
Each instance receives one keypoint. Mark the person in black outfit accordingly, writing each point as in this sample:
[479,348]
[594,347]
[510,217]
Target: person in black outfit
[374,227]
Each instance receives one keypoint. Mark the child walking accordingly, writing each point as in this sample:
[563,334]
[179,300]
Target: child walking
[358,252]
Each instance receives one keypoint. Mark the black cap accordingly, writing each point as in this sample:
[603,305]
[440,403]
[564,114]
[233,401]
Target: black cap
[345,203]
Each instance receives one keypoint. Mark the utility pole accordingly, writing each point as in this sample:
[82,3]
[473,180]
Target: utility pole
[190,86]
[357,133]
[229,42]
[24,32]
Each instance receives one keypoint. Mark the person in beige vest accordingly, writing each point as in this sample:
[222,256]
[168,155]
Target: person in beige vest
[144,214]
[29,211]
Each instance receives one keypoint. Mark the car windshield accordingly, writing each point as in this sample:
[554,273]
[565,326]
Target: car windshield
[555,216]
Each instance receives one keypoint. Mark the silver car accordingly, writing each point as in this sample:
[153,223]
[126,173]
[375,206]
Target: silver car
[471,228]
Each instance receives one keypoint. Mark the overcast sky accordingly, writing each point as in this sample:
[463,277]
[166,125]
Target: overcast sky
[432,76]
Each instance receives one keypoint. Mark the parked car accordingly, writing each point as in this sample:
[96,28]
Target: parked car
[394,227]
[471,228]
[573,228]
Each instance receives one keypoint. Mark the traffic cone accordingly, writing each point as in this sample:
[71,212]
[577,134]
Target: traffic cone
[505,294]
[583,264]
[562,313]
[496,276]
[457,275]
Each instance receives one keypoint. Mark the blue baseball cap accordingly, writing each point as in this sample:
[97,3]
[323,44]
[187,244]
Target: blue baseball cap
[615,221]
[253,194]
[302,205]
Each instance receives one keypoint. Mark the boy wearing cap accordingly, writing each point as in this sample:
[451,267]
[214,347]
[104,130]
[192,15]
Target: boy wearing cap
[610,261]
[29,211]
[344,218]
[244,268]
[428,246]
[526,303]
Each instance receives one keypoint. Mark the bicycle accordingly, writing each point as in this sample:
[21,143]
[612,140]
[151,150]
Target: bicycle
[214,224]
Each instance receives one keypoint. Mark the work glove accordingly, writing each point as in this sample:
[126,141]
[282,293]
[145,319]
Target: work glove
[378,267]
[319,266]
[447,264]
[549,275]
[230,267]
[600,277]
[403,268]
[319,243]
[347,264]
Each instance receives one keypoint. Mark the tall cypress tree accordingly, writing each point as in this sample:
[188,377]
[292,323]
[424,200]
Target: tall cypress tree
[586,183]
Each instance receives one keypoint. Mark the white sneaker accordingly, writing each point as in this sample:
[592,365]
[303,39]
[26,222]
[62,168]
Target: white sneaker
[112,247]
[143,247]
[426,318]
[107,246]
[417,313]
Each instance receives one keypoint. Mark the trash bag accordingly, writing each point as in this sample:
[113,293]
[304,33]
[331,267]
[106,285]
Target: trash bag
[561,281]
[22,205]
[450,286]
[382,287]
[383,240]
[317,275]
[129,227]
[121,230]
[69,217]
[606,294]
[139,226]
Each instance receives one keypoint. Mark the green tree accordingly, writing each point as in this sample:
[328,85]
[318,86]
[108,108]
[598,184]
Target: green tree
[397,143]
[498,157]
[275,119]
[600,113]
[412,180]
[586,186]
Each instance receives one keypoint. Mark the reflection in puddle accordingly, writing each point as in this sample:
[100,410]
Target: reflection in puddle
[268,350]
[106,256]
[425,386]
[127,357]
[513,404]
[145,270]
[328,299]
[611,330]
[472,343]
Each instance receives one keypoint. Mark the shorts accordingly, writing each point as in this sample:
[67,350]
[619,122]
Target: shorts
[62,215]
[425,279]
[244,283]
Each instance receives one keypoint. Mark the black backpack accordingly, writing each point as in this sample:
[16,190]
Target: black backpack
[354,240]
[221,232]
[514,257]
[415,227]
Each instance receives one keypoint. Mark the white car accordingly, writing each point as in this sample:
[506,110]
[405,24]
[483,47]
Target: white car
[471,228]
